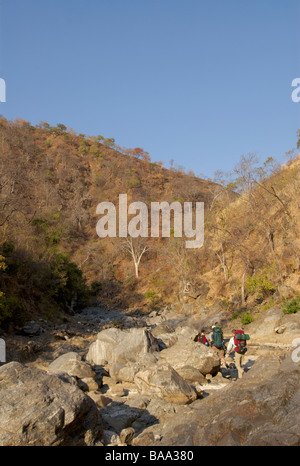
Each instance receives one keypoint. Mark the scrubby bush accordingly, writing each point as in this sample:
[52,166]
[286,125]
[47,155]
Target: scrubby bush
[133,182]
[66,280]
[31,287]
[95,288]
[152,297]
[246,318]
[11,310]
[263,284]
[292,306]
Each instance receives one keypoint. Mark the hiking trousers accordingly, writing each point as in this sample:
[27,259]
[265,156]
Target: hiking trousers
[239,361]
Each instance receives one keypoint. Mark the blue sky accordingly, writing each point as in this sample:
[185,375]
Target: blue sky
[200,82]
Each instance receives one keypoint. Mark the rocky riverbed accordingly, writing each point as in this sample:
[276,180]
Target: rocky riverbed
[110,377]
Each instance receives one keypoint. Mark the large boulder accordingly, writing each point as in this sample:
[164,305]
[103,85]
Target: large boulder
[191,375]
[72,364]
[122,346]
[121,373]
[261,409]
[118,416]
[43,409]
[186,352]
[264,324]
[264,328]
[165,335]
[162,381]
[126,373]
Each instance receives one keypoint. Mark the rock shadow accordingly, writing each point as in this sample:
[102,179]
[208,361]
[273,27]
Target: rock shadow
[118,416]
[248,365]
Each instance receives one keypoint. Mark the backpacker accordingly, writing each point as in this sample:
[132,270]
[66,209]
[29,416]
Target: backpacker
[202,339]
[240,339]
[217,337]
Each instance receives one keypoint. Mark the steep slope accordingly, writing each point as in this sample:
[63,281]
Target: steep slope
[51,183]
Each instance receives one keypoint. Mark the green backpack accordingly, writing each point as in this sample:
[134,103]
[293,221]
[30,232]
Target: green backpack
[242,336]
[217,337]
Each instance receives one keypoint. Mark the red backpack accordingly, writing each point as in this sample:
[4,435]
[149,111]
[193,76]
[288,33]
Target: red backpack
[240,345]
[202,339]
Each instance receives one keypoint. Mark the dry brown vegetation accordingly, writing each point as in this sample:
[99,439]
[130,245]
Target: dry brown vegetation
[51,182]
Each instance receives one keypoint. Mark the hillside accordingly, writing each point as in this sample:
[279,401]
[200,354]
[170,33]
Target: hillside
[52,259]
[51,183]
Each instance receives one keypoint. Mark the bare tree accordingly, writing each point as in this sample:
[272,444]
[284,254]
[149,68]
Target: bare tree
[177,256]
[136,247]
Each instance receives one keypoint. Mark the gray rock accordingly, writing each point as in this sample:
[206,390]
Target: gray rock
[162,381]
[127,435]
[41,409]
[280,329]
[88,384]
[191,375]
[72,364]
[126,373]
[115,345]
[118,416]
[122,373]
[99,399]
[32,329]
[116,390]
[187,352]
[140,401]
[262,408]
[109,437]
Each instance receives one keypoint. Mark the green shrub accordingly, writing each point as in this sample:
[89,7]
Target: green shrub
[52,235]
[66,280]
[8,248]
[29,288]
[263,283]
[96,287]
[292,306]
[267,305]
[2,263]
[246,318]
[11,311]
[83,149]
[152,297]
[94,150]
[49,174]
[133,183]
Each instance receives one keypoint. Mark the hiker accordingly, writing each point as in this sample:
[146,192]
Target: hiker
[201,338]
[240,347]
[216,339]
